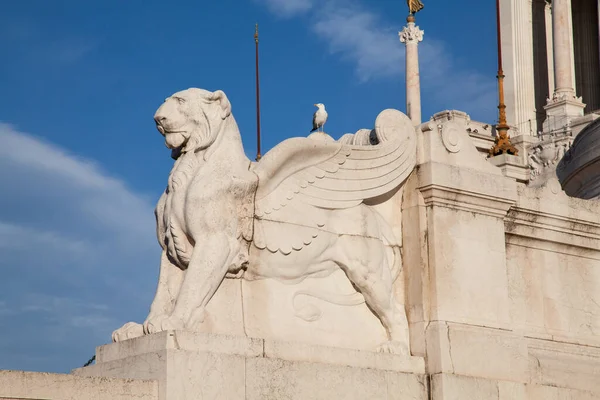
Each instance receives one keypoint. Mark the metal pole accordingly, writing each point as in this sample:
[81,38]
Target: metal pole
[258,155]
[502,143]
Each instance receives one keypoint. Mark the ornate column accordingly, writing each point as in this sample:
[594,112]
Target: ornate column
[561,32]
[564,105]
[516,18]
[411,35]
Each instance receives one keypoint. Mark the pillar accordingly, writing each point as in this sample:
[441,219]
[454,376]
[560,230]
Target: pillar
[518,65]
[411,35]
[564,105]
[563,61]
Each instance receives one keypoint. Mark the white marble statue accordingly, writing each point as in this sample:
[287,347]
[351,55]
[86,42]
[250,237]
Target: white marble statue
[305,210]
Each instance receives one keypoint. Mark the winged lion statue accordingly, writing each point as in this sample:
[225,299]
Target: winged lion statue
[305,210]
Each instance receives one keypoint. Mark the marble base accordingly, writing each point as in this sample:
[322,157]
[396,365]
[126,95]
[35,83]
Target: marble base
[210,366]
[512,166]
[560,114]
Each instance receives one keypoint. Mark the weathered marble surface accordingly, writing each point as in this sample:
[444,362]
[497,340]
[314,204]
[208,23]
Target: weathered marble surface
[23,385]
[309,209]
[189,365]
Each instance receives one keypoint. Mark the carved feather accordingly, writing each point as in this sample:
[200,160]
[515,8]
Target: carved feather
[336,175]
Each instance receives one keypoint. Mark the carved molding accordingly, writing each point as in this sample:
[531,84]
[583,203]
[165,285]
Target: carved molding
[562,96]
[456,199]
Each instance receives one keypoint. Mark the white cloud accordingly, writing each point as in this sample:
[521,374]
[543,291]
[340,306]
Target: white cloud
[4,309]
[104,198]
[288,8]
[13,237]
[357,35]
[371,43]
[79,254]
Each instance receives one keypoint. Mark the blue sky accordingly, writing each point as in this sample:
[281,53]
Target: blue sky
[82,165]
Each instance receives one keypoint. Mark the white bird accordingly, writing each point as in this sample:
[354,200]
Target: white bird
[320,117]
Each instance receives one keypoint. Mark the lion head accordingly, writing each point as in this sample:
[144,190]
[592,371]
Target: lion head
[190,120]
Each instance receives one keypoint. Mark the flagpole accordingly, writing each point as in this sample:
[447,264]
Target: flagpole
[502,142]
[258,155]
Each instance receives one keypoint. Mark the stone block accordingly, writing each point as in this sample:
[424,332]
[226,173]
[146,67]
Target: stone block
[45,386]
[536,392]
[344,357]
[467,350]
[468,268]
[208,366]
[488,353]
[565,365]
[512,391]
[467,258]
[278,379]
[454,387]
[180,340]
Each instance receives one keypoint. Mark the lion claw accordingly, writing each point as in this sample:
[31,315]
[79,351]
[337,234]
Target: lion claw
[128,331]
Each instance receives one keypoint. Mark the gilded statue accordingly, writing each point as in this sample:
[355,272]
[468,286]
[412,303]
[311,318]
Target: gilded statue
[414,6]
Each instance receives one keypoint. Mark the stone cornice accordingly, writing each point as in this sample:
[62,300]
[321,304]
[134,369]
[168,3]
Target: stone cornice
[443,196]
[547,215]
[549,227]
[465,189]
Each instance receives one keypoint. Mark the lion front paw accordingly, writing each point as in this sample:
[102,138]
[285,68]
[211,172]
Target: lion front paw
[128,331]
[394,347]
[153,324]
[165,323]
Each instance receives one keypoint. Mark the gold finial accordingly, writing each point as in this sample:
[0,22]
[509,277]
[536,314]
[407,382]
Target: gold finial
[414,6]
[256,33]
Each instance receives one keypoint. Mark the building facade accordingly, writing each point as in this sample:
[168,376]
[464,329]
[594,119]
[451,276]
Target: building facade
[552,64]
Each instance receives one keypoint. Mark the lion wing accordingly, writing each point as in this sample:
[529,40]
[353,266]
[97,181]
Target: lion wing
[336,175]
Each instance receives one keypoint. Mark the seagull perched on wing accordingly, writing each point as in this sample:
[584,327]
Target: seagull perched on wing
[320,117]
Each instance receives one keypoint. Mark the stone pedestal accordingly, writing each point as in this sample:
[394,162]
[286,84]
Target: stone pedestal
[512,167]
[209,366]
[560,112]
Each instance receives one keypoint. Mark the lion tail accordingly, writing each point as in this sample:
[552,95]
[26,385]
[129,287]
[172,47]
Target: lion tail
[310,312]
